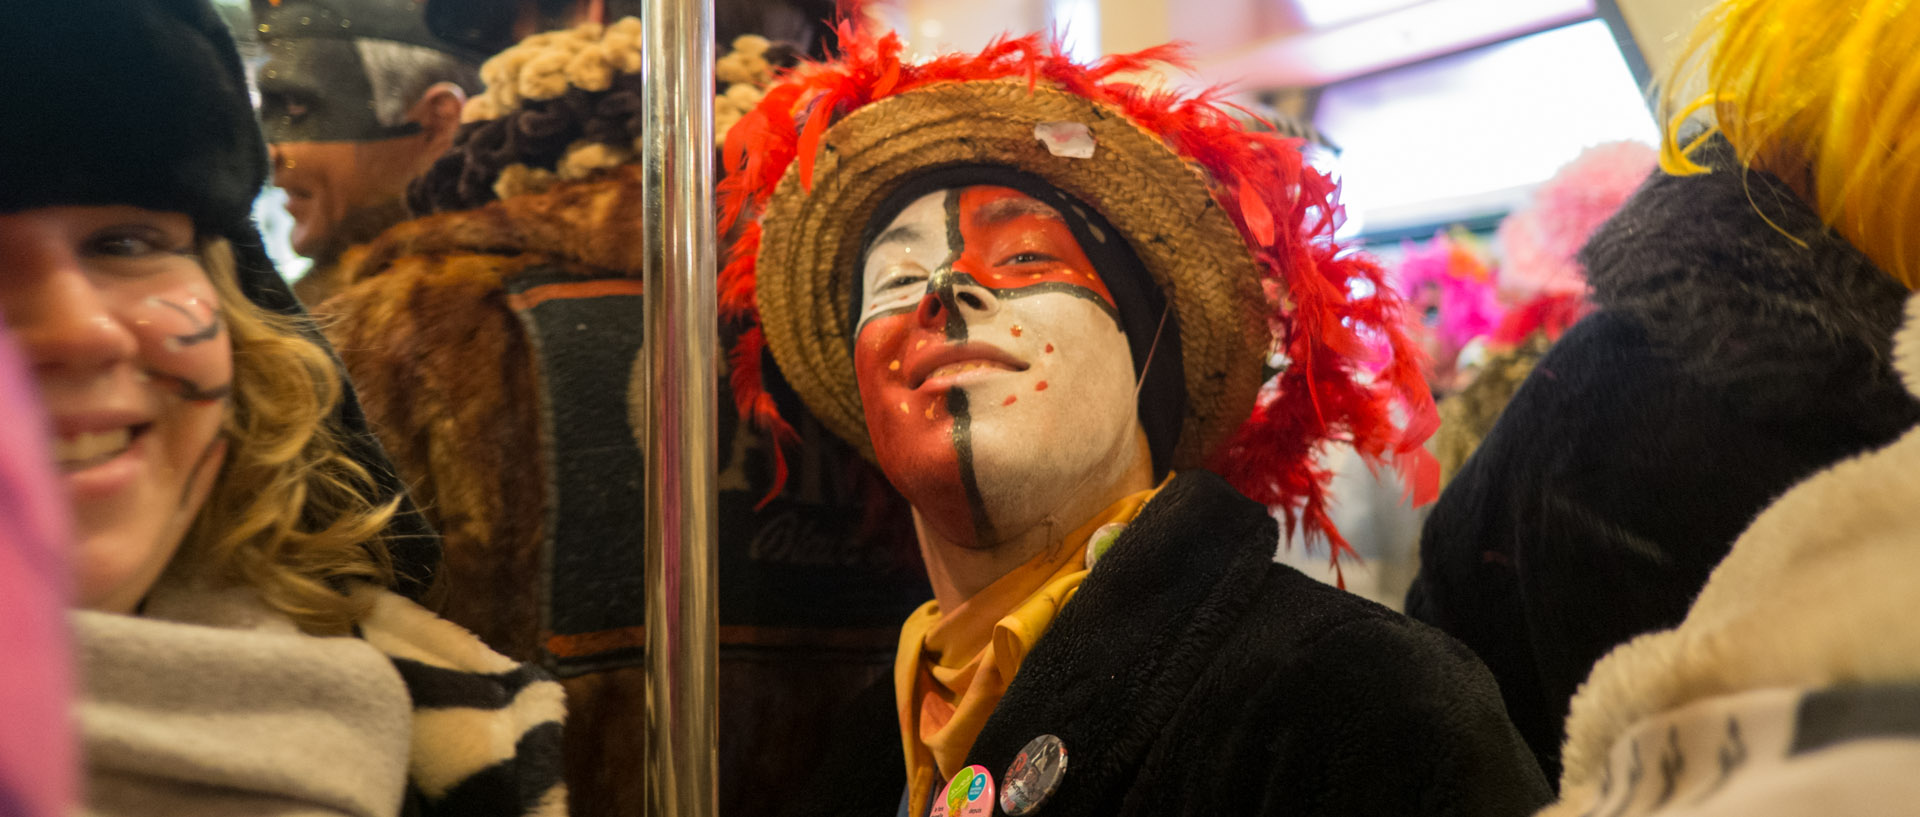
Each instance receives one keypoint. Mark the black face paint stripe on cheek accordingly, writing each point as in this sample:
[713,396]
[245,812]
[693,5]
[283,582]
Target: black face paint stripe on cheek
[898,310]
[1043,288]
[1060,288]
[949,280]
[192,391]
[193,475]
[963,449]
[201,333]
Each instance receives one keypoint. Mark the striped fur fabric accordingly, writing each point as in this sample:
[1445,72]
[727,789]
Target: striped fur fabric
[486,729]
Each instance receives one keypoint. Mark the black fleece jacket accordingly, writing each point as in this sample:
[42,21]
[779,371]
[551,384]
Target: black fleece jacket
[1191,675]
[1725,362]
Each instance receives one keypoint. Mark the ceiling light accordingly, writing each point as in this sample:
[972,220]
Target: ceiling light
[1323,13]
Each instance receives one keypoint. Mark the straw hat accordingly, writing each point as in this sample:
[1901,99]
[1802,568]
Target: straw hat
[811,241]
[1231,224]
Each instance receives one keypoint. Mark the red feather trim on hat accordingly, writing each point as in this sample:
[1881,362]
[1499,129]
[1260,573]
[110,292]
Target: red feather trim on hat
[1348,360]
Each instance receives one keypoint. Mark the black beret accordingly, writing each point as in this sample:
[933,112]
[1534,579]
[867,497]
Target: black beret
[118,102]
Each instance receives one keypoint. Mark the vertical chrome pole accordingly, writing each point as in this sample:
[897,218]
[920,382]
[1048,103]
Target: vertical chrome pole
[681,333]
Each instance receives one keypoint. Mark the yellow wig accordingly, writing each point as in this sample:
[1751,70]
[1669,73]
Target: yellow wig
[1824,94]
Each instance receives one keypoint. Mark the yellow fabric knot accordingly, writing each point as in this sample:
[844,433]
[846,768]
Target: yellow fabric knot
[952,668]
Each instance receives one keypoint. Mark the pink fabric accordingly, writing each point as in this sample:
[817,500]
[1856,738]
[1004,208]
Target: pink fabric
[37,761]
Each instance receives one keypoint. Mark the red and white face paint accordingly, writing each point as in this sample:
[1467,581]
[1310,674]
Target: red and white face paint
[134,363]
[993,371]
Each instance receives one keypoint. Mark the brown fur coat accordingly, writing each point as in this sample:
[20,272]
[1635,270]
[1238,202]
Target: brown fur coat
[447,375]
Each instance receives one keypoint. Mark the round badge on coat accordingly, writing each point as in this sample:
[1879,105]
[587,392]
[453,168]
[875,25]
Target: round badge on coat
[968,794]
[1102,541]
[1034,775]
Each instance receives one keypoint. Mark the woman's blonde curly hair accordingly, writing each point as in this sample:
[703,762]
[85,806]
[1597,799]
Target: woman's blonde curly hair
[290,513]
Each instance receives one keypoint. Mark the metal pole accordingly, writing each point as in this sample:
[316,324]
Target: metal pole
[681,333]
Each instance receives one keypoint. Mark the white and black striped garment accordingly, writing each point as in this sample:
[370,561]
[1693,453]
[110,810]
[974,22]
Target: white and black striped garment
[486,729]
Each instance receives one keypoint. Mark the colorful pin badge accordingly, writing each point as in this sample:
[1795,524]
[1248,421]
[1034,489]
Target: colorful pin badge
[1102,541]
[1034,775]
[968,794]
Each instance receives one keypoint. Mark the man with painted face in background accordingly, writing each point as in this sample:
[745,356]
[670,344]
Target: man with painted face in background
[1043,302]
[495,340]
[357,97]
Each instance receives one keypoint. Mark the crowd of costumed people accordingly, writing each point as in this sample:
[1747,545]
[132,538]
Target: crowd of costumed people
[1036,381]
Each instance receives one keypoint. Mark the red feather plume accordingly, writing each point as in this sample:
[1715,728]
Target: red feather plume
[1339,328]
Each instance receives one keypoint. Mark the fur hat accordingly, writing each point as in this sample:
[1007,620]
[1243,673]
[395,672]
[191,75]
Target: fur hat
[1232,225]
[144,102]
[565,106]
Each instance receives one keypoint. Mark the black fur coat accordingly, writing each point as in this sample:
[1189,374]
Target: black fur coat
[1725,362]
[1191,675]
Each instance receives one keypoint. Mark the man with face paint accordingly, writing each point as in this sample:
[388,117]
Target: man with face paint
[357,97]
[969,293]
[1045,304]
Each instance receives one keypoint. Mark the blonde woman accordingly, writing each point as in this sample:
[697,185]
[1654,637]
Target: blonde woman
[236,649]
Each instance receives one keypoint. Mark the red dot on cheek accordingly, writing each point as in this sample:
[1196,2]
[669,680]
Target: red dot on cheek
[1040,386]
[1016,333]
[1009,400]
[1049,348]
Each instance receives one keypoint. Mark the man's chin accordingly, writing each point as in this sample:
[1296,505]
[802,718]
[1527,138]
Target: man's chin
[305,243]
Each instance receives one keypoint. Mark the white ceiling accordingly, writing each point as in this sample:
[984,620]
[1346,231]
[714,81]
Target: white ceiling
[1249,43]
[1391,34]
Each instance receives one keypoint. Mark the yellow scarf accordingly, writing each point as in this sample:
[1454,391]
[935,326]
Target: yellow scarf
[952,669]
